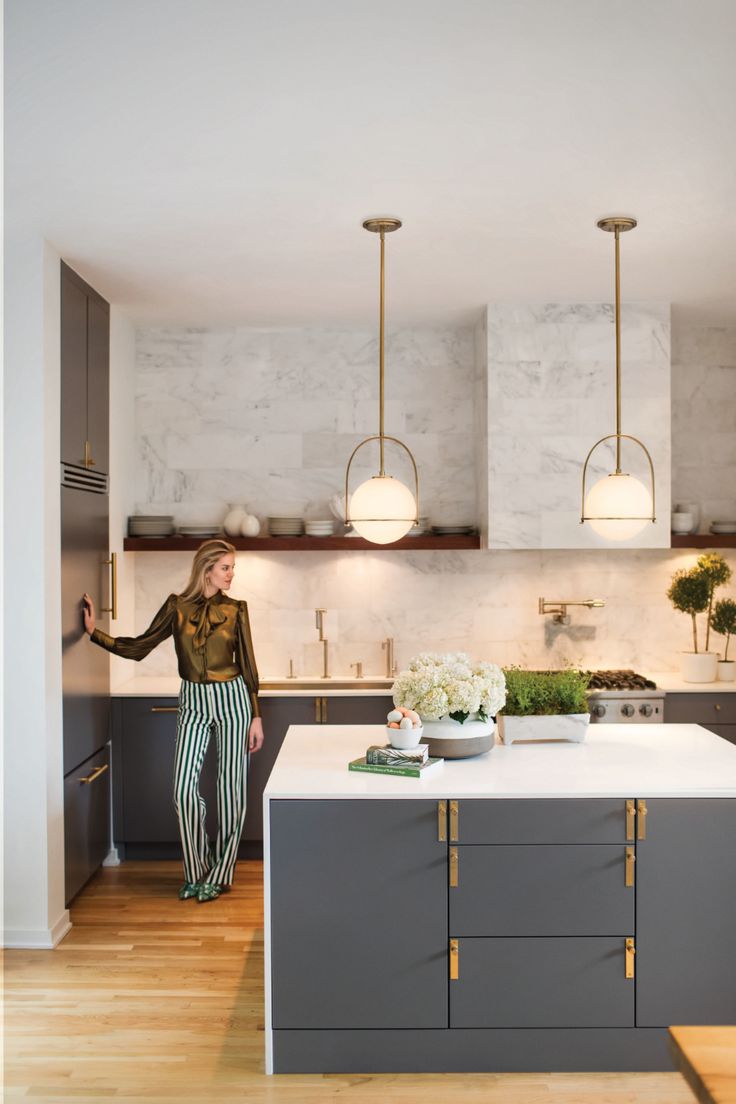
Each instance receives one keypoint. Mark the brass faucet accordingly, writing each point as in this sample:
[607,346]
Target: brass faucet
[325,643]
[559,609]
[388,647]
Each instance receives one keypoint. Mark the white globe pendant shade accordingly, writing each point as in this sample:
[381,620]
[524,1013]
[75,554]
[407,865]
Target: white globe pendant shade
[618,506]
[382,509]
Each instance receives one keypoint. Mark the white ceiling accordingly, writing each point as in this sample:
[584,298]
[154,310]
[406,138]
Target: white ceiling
[210,161]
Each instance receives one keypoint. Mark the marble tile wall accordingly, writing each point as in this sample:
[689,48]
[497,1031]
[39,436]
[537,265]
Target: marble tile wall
[195,387]
[551,396]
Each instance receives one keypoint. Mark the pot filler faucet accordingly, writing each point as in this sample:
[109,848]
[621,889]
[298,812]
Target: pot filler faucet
[559,609]
[325,643]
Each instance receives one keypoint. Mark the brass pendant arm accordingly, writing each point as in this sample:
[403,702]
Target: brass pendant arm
[618,437]
[380,437]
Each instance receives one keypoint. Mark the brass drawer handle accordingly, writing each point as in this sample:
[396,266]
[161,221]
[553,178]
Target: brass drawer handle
[441,821]
[164,708]
[112,609]
[94,775]
[324,711]
[453,868]
[641,820]
[630,860]
[454,821]
[629,956]
[454,960]
[630,819]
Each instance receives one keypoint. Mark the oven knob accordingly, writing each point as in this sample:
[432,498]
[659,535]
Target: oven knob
[599,711]
[646,710]
[627,710]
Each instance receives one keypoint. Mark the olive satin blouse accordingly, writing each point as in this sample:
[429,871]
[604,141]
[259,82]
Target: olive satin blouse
[211,636]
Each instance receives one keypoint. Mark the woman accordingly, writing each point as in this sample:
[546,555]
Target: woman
[219,688]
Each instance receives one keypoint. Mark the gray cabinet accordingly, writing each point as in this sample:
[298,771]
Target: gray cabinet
[359,915]
[85,369]
[686,913]
[86,820]
[711,709]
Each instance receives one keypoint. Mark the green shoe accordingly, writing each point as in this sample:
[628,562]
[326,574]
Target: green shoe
[189,889]
[207,891]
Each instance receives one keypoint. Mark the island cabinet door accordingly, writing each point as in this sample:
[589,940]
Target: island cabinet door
[530,982]
[686,913]
[553,889]
[358,914]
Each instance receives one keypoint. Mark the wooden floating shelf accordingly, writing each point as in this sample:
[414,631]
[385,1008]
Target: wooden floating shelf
[703,540]
[304,544]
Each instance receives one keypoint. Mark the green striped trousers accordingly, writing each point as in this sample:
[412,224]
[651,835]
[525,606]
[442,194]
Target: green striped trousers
[224,706]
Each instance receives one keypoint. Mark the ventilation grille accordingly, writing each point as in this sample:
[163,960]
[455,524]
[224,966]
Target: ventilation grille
[83,479]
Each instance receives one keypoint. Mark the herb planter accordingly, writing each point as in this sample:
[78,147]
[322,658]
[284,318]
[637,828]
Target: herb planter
[726,670]
[562,726]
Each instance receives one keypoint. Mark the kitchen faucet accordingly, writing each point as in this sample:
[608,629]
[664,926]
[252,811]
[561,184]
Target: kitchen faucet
[559,609]
[388,647]
[325,643]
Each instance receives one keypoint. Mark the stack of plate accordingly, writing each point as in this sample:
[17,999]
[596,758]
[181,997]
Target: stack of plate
[723,527]
[150,525]
[285,526]
[199,531]
[453,530]
[319,528]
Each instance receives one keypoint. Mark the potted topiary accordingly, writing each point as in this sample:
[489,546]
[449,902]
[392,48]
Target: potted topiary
[723,622]
[692,591]
[544,705]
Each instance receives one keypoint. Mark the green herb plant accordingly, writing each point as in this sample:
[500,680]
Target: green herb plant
[546,693]
[723,622]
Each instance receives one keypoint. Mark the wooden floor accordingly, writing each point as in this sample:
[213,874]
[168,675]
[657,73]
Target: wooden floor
[154,999]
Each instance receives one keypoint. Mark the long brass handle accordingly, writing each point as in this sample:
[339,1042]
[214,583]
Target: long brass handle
[630,820]
[112,609]
[454,822]
[453,868]
[441,821]
[629,958]
[318,710]
[630,860]
[164,708]
[94,775]
[454,960]
[641,820]
[324,711]
[88,462]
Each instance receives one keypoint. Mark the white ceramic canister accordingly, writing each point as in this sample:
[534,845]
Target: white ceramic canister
[234,519]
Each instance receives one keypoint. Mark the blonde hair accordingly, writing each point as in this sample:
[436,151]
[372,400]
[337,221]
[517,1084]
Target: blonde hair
[204,560]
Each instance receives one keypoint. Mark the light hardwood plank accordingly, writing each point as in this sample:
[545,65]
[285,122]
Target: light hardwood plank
[154,999]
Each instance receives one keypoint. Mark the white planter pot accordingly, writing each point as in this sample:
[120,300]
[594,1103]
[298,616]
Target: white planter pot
[726,670]
[699,666]
[448,739]
[567,726]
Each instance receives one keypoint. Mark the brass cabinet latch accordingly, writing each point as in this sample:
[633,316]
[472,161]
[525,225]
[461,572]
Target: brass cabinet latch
[441,821]
[454,960]
[630,819]
[454,822]
[453,868]
[641,820]
[629,955]
[630,860]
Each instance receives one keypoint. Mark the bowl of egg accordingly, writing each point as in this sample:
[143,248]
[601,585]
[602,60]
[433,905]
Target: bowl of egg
[403,728]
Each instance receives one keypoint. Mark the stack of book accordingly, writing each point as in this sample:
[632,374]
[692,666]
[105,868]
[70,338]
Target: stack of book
[414,763]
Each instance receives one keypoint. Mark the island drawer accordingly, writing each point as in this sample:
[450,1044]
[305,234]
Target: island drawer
[543,821]
[703,709]
[542,890]
[541,983]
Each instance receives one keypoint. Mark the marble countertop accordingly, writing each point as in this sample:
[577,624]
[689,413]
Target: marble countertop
[627,760]
[672,682]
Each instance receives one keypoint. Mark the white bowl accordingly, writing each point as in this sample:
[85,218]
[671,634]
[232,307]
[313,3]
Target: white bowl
[404,738]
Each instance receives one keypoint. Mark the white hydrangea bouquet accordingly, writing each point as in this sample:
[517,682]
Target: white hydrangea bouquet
[437,685]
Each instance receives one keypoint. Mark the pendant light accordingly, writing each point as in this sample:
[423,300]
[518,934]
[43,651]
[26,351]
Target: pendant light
[382,509]
[618,506]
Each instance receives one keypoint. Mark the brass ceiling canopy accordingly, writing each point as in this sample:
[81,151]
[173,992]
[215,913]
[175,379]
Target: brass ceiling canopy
[612,223]
[382,224]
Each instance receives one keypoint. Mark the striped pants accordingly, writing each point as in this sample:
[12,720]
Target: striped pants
[224,706]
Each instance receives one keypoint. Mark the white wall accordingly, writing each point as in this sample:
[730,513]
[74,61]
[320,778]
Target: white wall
[34,912]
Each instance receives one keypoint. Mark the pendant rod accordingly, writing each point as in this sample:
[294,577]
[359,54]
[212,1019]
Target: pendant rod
[618,355]
[380,355]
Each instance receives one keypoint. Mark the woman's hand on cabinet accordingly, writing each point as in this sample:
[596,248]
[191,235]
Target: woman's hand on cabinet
[88,612]
[255,734]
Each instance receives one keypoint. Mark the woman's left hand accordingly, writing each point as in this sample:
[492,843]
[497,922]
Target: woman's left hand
[255,734]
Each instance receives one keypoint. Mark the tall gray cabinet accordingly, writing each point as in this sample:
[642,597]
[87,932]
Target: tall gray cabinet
[85,566]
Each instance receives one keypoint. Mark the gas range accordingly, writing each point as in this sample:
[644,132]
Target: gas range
[620,697]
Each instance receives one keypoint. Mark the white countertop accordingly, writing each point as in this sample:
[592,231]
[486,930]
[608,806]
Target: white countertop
[147,686]
[629,760]
[672,682]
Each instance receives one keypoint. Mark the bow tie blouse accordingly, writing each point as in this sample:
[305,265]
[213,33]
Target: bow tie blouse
[211,636]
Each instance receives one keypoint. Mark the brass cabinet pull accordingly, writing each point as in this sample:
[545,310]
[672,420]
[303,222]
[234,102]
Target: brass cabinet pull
[641,820]
[453,868]
[88,462]
[454,821]
[629,956]
[164,708]
[94,775]
[630,860]
[318,710]
[630,819]
[717,707]
[454,960]
[441,821]
[324,711]
[112,609]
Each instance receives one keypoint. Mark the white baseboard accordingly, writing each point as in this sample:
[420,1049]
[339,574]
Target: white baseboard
[111,858]
[38,939]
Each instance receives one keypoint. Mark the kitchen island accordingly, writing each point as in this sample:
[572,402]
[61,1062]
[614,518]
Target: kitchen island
[541,907]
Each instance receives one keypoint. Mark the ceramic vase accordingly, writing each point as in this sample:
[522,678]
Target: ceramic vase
[234,519]
[448,739]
